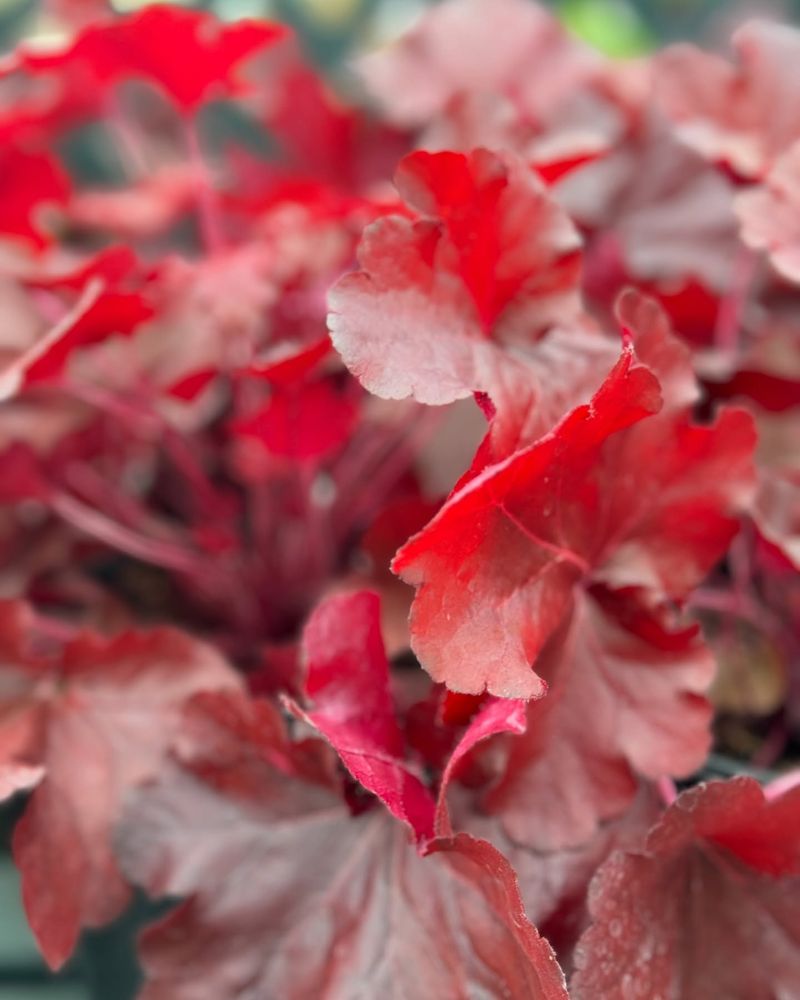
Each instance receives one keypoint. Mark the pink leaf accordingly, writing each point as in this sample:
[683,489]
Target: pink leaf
[726,112]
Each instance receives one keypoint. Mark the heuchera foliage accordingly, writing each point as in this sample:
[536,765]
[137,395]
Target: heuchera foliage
[396,500]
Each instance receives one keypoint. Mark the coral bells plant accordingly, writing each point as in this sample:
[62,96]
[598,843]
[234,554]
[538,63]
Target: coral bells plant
[400,508]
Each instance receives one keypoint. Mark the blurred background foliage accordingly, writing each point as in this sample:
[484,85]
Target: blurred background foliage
[104,967]
[332,29]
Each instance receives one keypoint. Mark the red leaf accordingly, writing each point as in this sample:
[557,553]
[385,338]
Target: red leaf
[496,567]
[709,908]
[727,112]
[102,712]
[625,701]
[306,421]
[499,715]
[347,684]
[111,313]
[144,45]
[23,477]
[287,364]
[31,182]
[287,890]
[562,373]
[491,263]
[191,386]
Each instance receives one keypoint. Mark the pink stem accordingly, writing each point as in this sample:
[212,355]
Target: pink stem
[13,377]
[667,790]
[733,604]
[146,422]
[157,551]
[207,201]
[136,162]
[371,486]
[729,318]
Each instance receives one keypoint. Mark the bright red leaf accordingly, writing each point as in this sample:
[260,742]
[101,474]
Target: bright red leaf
[351,705]
[496,569]
[498,715]
[302,422]
[32,183]
[144,46]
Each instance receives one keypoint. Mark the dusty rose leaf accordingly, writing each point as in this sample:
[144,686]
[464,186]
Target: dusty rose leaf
[554,883]
[709,907]
[103,711]
[642,318]
[777,511]
[281,868]
[776,507]
[659,215]
[142,210]
[625,701]
[114,265]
